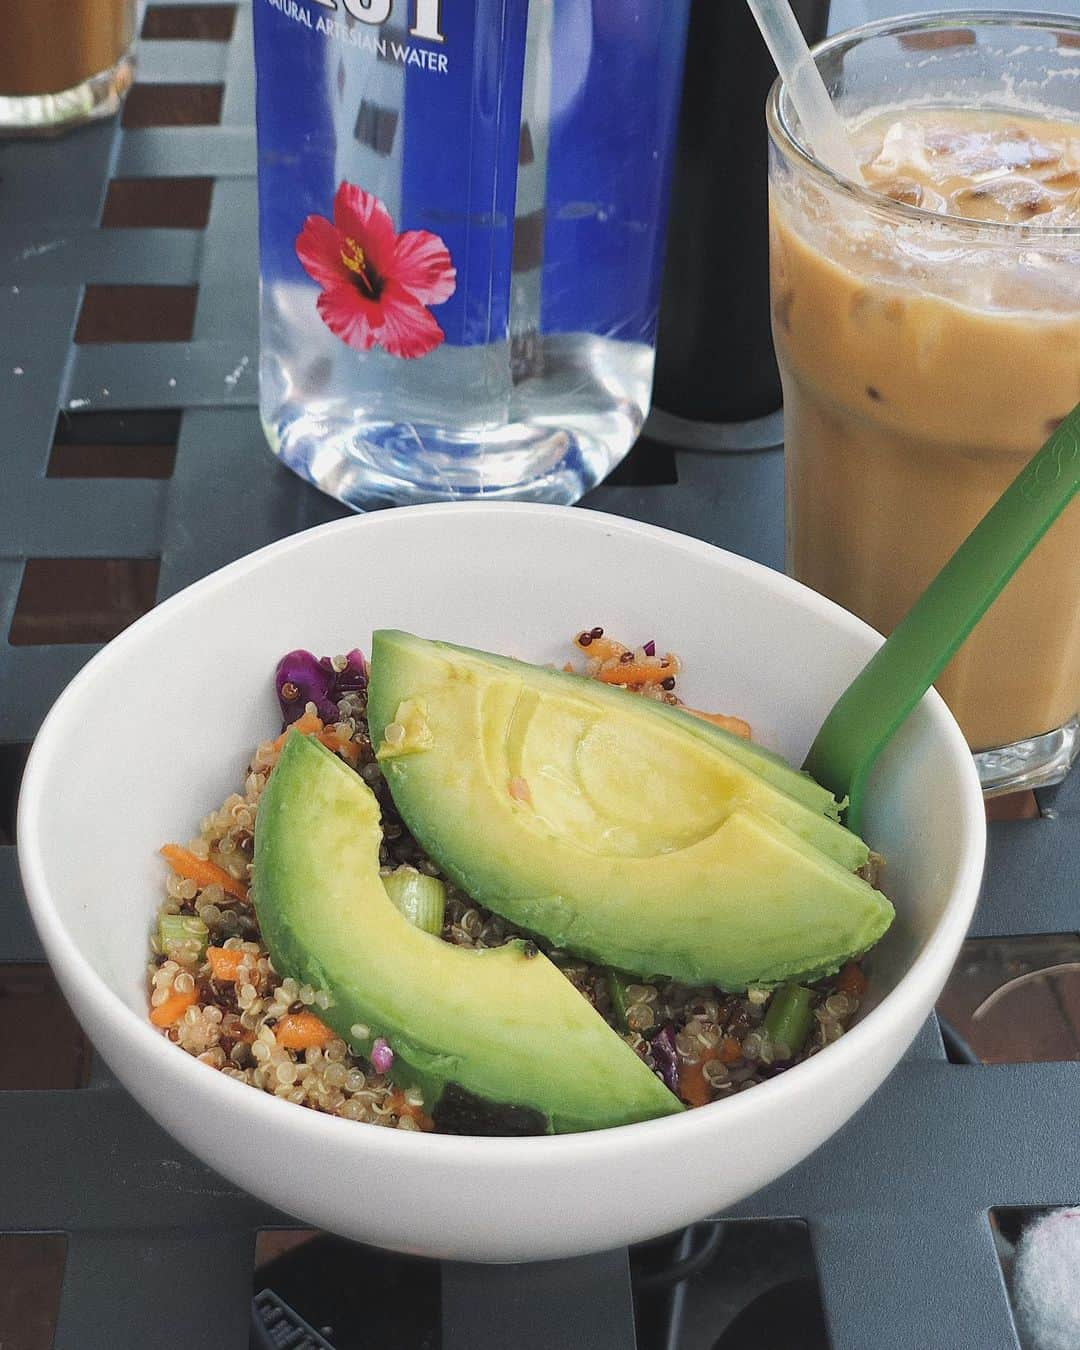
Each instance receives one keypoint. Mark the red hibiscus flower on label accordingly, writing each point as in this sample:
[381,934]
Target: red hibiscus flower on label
[376,284]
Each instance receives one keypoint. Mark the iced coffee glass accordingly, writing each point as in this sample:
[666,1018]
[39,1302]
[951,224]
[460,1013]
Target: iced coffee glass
[63,63]
[927,327]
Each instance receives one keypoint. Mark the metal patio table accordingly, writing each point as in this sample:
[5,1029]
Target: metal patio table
[897,1204]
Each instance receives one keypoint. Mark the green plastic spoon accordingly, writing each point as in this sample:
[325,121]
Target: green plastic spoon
[874,705]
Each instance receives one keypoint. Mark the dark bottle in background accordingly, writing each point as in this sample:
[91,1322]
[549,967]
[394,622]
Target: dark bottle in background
[714,360]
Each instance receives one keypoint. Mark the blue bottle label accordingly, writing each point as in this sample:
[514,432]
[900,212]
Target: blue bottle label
[468,171]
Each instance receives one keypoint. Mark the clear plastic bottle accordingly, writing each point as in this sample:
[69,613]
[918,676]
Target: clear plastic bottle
[462,208]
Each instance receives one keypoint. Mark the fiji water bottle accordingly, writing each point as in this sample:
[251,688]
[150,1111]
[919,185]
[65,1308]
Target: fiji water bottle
[461,211]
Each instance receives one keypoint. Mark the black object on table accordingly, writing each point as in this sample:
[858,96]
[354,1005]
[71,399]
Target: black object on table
[714,357]
[277,1326]
[896,1205]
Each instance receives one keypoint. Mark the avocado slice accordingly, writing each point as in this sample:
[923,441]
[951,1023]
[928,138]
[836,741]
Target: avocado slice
[501,1025]
[765,763]
[402,664]
[608,825]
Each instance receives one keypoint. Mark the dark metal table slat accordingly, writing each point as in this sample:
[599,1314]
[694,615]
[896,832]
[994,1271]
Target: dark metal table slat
[137,1289]
[944,1291]
[551,1305]
[20,941]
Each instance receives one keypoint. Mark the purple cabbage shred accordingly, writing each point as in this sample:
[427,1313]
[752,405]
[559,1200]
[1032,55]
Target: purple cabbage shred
[302,678]
[649,648]
[354,676]
[666,1058]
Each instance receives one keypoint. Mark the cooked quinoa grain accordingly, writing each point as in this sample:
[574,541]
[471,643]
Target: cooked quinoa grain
[214,992]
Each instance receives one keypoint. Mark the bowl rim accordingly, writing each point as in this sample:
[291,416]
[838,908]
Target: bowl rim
[926,972]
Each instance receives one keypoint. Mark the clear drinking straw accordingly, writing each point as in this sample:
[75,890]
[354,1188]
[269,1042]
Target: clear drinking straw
[821,123]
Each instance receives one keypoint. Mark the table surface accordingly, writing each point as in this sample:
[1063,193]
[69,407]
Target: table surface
[134,463]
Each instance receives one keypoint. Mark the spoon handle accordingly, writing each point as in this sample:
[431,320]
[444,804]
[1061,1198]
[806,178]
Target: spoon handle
[878,700]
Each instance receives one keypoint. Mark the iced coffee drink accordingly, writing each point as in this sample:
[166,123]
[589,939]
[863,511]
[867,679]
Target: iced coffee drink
[927,328]
[62,64]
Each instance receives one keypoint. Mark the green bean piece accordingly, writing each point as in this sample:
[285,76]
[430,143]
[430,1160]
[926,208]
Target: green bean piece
[617,984]
[789,1018]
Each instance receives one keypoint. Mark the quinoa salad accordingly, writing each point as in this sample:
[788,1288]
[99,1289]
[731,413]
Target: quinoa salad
[214,991]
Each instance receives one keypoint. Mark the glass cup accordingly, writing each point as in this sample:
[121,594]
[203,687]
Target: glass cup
[63,64]
[925,357]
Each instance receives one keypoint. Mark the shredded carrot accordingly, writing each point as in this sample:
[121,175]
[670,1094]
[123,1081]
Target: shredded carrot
[729,1050]
[171,1011]
[310,724]
[301,1031]
[225,962]
[851,981]
[402,1107]
[520,791]
[342,745]
[601,648]
[735,725]
[693,1088]
[202,872]
[636,674]
[305,724]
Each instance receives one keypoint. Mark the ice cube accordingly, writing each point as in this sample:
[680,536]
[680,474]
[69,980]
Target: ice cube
[1015,198]
[910,193]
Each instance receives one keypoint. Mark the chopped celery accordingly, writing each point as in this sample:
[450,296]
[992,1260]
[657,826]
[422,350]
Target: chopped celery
[174,928]
[617,984]
[422,899]
[789,1018]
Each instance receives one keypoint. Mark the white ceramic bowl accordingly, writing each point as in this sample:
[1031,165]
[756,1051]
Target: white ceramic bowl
[156,730]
